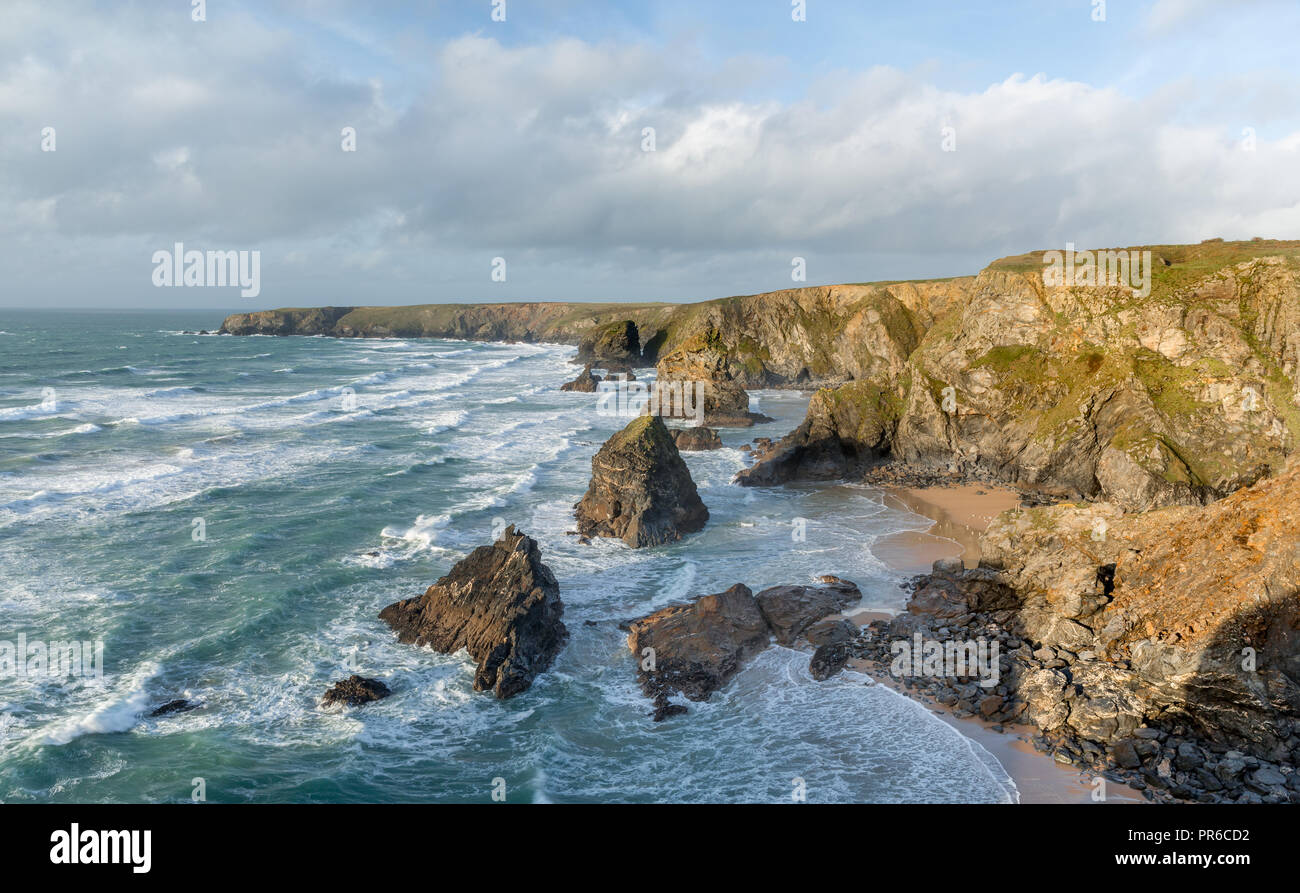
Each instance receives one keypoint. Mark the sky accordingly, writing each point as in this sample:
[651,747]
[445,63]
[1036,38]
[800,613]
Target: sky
[659,150]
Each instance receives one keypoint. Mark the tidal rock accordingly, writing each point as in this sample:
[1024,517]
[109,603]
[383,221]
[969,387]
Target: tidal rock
[586,383]
[180,705]
[695,648]
[355,691]
[790,610]
[501,604]
[828,660]
[831,631]
[641,490]
[694,440]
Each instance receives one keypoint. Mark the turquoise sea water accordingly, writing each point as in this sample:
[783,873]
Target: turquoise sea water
[333,477]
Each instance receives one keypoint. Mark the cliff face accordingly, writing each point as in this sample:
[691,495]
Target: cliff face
[563,323]
[803,336]
[1180,397]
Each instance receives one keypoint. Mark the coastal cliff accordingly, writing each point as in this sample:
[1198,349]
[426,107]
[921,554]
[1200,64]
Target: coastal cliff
[792,338]
[1149,615]
[1180,397]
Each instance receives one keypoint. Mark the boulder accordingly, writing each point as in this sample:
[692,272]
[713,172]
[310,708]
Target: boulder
[694,440]
[501,604]
[828,660]
[695,648]
[355,691]
[179,705]
[641,490]
[790,610]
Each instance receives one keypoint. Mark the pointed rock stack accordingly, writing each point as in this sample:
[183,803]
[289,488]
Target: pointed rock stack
[501,604]
[641,490]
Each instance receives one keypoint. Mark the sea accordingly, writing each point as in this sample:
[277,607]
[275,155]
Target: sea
[226,516]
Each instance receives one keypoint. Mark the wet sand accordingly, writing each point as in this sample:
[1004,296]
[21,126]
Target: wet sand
[959,515]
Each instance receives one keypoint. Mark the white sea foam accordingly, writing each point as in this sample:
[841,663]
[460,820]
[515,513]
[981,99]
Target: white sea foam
[117,713]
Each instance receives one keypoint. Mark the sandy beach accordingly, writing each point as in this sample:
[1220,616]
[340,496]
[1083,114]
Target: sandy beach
[959,514]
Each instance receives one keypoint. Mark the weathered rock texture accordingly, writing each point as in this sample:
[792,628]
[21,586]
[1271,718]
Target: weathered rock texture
[501,604]
[1177,398]
[355,691]
[695,440]
[845,430]
[703,359]
[641,490]
[586,383]
[1132,639]
[694,649]
[615,345]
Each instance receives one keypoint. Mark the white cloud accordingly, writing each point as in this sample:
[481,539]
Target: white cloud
[226,134]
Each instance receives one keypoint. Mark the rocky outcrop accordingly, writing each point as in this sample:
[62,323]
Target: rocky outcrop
[501,604]
[845,430]
[1158,643]
[586,383]
[355,691]
[791,610]
[702,359]
[695,440]
[179,705]
[1178,398]
[614,346]
[641,490]
[694,649]
[1086,391]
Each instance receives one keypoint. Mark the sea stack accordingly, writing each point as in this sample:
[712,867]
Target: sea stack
[703,359]
[641,490]
[586,383]
[501,604]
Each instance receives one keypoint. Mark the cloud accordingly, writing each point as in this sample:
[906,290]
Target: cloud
[228,134]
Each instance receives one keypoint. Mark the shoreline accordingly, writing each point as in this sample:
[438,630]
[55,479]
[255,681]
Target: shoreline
[960,513]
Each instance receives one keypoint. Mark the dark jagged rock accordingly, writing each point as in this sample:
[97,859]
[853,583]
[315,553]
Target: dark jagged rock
[1158,645]
[695,440]
[641,490]
[696,648]
[790,610]
[355,691]
[180,705]
[828,660]
[831,631]
[844,431]
[501,604]
[586,383]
